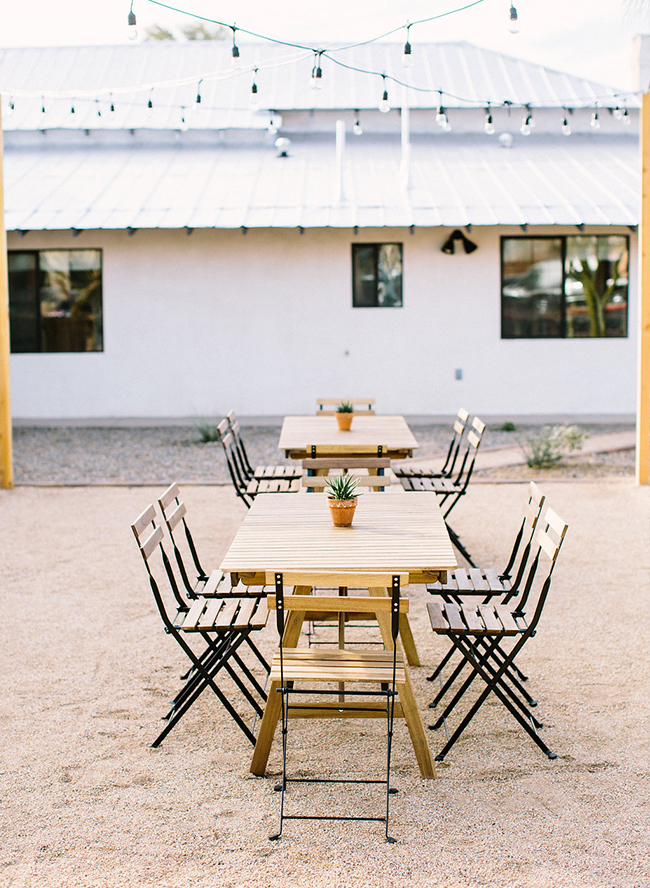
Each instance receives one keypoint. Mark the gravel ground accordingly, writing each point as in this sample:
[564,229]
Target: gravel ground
[158,455]
[86,671]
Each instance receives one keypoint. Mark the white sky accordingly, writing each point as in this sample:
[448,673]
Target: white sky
[592,38]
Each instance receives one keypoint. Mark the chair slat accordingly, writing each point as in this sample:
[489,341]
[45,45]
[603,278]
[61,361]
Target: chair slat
[472,619]
[227,613]
[492,624]
[193,615]
[436,616]
[452,612]
[505,615]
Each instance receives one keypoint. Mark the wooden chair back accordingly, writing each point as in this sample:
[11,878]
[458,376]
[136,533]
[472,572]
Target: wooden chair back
[363,406]
[174,513]
[460,424]
[316,471]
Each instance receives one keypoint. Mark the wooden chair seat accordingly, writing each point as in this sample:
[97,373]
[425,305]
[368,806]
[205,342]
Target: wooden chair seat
[272,485]
[475,580]
[434,485]
[446,470]
[449,618]
[224,614]
[277,472]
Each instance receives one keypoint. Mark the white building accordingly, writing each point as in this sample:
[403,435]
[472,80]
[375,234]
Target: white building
[169,261]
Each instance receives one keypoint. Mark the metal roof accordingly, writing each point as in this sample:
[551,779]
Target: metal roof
[455,180]
[93,78]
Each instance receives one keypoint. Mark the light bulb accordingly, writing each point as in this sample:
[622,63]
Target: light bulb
[184,124]
[566,129]
[384,107]
[625,119]
[10,108]
[149,106]
[72,109]
[407,57]
[594,123]
[272,128]
[132,31]
[253,101]
[317,77]
[513,24]
[441,117]
[525,126]
[618,114]
[236,61]
[488,126]
[357,129]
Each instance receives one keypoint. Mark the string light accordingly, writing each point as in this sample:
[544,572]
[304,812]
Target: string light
[566,129]
[526,126]
[253,101]
[441,117]
[357,129]
[317,72]
[72,108]
[618,113]
[625,119]
[97,108]
[488,126]
[132,32]
[197,101]
[236,61]
[150,102]
[112,108]
[184,124]
[594,123]
[11,107]
[513,24]
[407,56]
[384,107]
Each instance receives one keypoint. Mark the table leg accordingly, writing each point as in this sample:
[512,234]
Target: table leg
[273,706]
[407,699]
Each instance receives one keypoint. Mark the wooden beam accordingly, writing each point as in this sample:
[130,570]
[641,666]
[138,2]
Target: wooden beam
[643,384]
[6,458]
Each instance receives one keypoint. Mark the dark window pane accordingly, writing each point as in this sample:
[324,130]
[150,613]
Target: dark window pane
[25,328]
[71,300]
[364,273]
[596,286]
[531,295]
[376,275]
[389,273]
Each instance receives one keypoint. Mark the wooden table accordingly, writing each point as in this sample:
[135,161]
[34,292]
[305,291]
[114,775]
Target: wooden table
[299,433]
[391,532]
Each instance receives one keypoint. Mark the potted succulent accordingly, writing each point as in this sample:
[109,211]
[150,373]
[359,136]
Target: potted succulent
[342,498]
[344,414]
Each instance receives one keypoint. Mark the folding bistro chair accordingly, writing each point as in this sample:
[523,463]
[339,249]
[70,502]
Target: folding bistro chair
[296,671]
[464,625]
[248,488]
[221,625]
[260,472]
[451,489]
[447,469]
[360,406]
[487,583]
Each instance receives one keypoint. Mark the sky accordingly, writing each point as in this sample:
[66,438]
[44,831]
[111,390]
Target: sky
[591,38]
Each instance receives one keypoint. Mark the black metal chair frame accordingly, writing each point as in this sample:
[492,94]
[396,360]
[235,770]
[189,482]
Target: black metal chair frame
[221,643]
[490,661]
[447,469]
[517,562]
[452,489]
[388,693]
[260,472]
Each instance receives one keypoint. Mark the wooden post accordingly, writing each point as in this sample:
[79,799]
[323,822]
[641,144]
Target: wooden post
[643,385]
[6,459]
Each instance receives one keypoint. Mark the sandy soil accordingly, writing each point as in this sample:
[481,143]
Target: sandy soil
[87,670]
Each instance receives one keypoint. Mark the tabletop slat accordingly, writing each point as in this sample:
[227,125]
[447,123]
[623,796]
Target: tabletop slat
[397,532]
[301,432]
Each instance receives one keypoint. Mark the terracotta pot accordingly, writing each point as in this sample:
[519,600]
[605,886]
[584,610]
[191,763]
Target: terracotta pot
[342,511]
[344,420]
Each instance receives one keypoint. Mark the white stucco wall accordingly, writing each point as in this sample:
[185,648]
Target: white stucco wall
[196,325]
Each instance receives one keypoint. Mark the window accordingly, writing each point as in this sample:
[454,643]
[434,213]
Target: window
[569,286]
[55,300]
[376,275]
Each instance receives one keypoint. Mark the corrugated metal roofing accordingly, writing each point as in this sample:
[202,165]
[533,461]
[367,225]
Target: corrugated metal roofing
[467,75]
[455,181]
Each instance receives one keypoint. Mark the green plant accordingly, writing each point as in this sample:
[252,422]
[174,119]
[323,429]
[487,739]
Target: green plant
[508,427]
[344,407]
[342,487]
[545,450]
[208,433]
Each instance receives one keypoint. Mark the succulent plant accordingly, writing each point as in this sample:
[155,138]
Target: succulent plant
[344,407]
[342,487]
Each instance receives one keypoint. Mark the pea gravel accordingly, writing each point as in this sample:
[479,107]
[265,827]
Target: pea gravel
[87,672]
